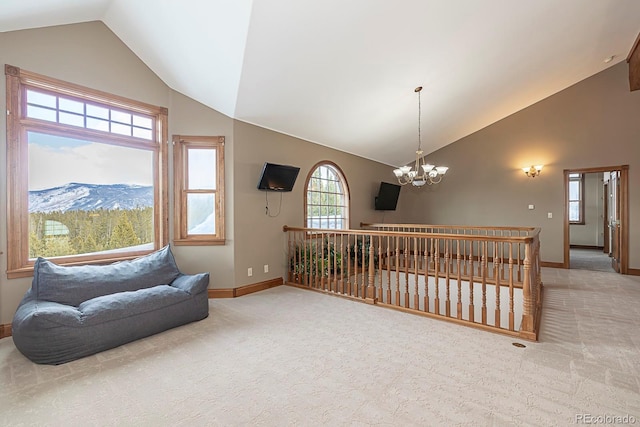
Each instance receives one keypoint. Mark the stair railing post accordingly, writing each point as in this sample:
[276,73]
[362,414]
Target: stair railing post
[371,282]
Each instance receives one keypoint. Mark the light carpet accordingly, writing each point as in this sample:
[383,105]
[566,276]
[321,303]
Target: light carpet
[287,356]
[590,259]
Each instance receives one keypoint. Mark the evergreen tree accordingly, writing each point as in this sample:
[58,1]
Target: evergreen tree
[123,234]
[36,245]
[90,231]
[57,246]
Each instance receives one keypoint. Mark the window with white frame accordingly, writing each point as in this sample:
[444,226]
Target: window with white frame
[327,198]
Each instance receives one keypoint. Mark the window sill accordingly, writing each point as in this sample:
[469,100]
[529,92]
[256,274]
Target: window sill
[20,273]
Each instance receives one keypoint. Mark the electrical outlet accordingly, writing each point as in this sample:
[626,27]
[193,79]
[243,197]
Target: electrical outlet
[249,271]
[266,268]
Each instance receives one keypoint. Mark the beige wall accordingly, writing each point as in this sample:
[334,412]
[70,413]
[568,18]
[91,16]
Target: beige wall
[591,124]
[259,238]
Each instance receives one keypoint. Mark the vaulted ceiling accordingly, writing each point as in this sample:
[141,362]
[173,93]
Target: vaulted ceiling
[342,73]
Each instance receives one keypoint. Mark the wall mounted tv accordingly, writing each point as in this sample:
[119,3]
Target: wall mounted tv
[277,177]
[387,197]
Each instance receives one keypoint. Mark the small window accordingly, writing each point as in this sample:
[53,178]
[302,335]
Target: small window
[327,198]
[199,190]
[576,198]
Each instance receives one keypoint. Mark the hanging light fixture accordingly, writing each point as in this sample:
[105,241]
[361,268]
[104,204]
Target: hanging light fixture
[424,173]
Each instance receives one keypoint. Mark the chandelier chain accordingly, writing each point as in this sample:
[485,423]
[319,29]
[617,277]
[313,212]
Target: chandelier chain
[419,120]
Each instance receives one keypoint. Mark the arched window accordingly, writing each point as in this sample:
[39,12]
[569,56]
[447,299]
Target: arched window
[327,197]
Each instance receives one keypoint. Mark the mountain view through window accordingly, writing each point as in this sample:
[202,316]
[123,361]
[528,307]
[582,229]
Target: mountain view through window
[88,197]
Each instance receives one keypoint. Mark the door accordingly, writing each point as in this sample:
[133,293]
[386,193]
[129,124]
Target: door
[618,218]
[614,222]
[605,218]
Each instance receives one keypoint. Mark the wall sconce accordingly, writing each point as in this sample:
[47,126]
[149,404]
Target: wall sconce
[533,171]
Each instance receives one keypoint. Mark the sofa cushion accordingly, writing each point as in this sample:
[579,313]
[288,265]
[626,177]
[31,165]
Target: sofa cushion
[75,284]
[192,284]
[129,304]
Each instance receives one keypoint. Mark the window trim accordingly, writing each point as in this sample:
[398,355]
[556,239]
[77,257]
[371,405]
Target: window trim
[345,184]
[581,181]
[181,143]
[17,82]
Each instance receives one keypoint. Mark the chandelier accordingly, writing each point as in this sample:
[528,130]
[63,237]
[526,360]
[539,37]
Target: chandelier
[424,173]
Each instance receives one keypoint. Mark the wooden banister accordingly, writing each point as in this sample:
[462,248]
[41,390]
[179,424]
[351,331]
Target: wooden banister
[487,277]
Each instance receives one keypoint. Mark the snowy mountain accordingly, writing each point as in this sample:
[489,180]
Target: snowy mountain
[75,196]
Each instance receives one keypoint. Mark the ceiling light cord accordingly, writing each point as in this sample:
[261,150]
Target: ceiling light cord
[419,89]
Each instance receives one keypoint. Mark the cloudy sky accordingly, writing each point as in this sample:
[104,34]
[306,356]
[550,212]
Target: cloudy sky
[56,161]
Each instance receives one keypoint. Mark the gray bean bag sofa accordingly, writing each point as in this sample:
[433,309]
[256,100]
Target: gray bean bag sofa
[73,312]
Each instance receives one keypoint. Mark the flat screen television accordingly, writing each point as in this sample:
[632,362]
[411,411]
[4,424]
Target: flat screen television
[387,197]
[277,177]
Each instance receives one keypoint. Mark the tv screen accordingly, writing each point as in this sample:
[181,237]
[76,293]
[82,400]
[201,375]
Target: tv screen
[387,198]
[277,177]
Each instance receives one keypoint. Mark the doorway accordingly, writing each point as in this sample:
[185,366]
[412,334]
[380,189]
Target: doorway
[596,218]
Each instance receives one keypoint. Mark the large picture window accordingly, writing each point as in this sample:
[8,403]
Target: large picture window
[327,198]
[87,174]
[199,190]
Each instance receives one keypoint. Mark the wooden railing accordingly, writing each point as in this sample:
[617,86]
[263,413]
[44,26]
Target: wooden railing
[486,277]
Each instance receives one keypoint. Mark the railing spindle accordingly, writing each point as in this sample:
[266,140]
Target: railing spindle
[406,272]
[471,268]
[436,275]
[380,272]
[371,283]
[447,260]
[416,276]
[348,254]
[426,276]
[388,270]
[511,310]
[365,255]
[397,271]
[484,282]
[356,284]
[458,260]
[496,274]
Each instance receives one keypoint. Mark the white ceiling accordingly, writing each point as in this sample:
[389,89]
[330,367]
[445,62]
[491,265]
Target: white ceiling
[342,73]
